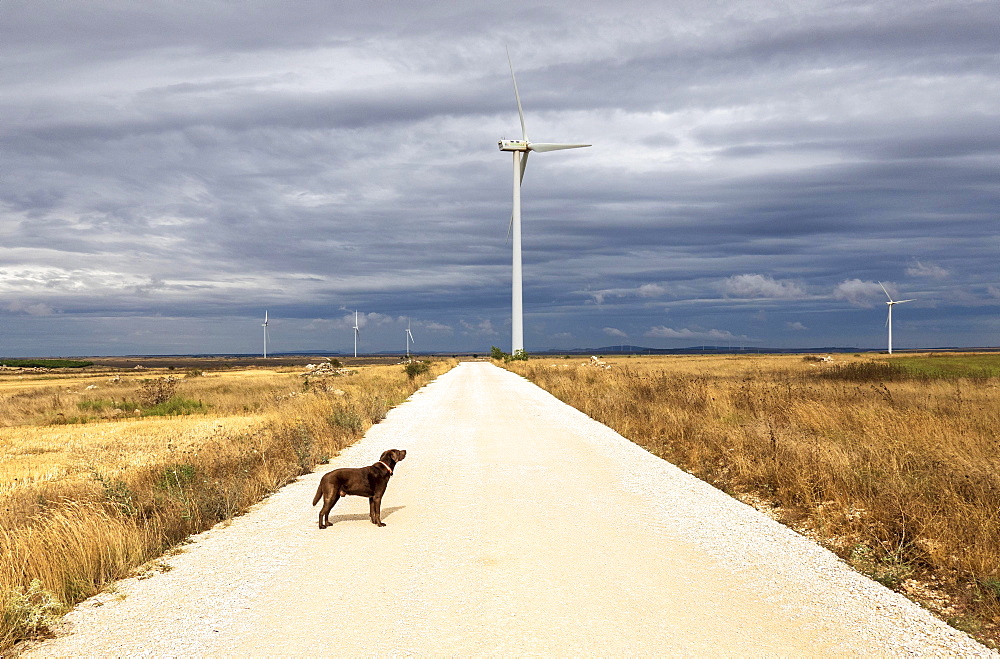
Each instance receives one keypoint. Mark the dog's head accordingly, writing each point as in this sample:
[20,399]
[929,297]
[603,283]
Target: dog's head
[392,456]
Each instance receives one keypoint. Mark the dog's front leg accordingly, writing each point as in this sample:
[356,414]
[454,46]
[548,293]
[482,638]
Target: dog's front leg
[375,510]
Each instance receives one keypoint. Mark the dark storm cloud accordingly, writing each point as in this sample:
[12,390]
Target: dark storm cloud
[170,171]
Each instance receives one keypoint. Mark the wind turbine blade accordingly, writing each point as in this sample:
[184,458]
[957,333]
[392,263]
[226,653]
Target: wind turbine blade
[550,146]
[524,163]
[885,291]
[888,317]
[520,112]
[902,301]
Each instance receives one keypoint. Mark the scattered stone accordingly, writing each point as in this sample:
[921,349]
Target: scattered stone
[326,370]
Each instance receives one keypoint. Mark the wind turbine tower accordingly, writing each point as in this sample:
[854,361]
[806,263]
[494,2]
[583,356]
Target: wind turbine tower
[265,333]
[357,333]
[888,321]
[409,339]
[520,150]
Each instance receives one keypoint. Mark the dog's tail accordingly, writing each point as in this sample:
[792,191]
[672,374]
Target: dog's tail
[319,494]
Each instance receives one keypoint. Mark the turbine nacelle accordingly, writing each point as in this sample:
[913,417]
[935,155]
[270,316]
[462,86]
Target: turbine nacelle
[514,145]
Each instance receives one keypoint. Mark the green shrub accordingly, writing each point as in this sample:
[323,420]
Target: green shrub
[96,405]
[519,355]
[118,494]
[347,419]
[413,369]
[28,614]
[175,407]
[177,477]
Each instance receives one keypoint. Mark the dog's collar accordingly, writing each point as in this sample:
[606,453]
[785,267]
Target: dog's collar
[386,466]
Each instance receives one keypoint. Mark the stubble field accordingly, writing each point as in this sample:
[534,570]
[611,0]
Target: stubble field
[892,463]
[102,471]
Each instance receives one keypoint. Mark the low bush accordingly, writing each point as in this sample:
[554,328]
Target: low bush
[499,355]
[27,613]
[174,406]
[156,391]
[415,368]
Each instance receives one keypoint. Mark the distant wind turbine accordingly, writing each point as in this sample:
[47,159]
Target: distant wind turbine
[409,339]
[265,333]
[520,149]
[357,333]
[888,321]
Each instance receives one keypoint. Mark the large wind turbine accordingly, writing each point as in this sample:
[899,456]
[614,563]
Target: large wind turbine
[888,321]
[357,333]
[265,333]
[409,339]
[520,149]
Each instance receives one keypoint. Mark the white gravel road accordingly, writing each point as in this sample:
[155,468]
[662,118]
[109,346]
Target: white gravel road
[515,526]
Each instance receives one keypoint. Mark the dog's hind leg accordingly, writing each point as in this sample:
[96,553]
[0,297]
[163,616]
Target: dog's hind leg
[328,504]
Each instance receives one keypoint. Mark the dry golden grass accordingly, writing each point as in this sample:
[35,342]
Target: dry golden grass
[90,493]
[900,477]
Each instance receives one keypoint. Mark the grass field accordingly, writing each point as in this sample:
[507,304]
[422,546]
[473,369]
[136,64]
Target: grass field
[101,472]
[894,463]
[949,365]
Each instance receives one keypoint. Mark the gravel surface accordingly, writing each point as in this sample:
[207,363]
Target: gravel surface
[515,526]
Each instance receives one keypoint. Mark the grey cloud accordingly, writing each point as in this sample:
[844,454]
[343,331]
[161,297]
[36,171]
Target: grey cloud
[747,159]
[754,285]
[663,332]
[859,293]
[918,269]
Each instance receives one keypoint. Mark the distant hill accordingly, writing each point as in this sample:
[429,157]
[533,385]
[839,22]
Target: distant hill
[693,350]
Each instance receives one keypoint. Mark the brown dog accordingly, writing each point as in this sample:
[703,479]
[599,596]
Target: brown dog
[359,481]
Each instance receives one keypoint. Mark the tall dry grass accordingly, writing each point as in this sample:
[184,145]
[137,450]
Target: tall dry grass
[900,476]
[85,504]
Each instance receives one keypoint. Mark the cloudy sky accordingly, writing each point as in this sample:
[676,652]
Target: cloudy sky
[170,170]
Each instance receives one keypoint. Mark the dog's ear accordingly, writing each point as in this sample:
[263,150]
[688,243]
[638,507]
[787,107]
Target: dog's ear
[387,455]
